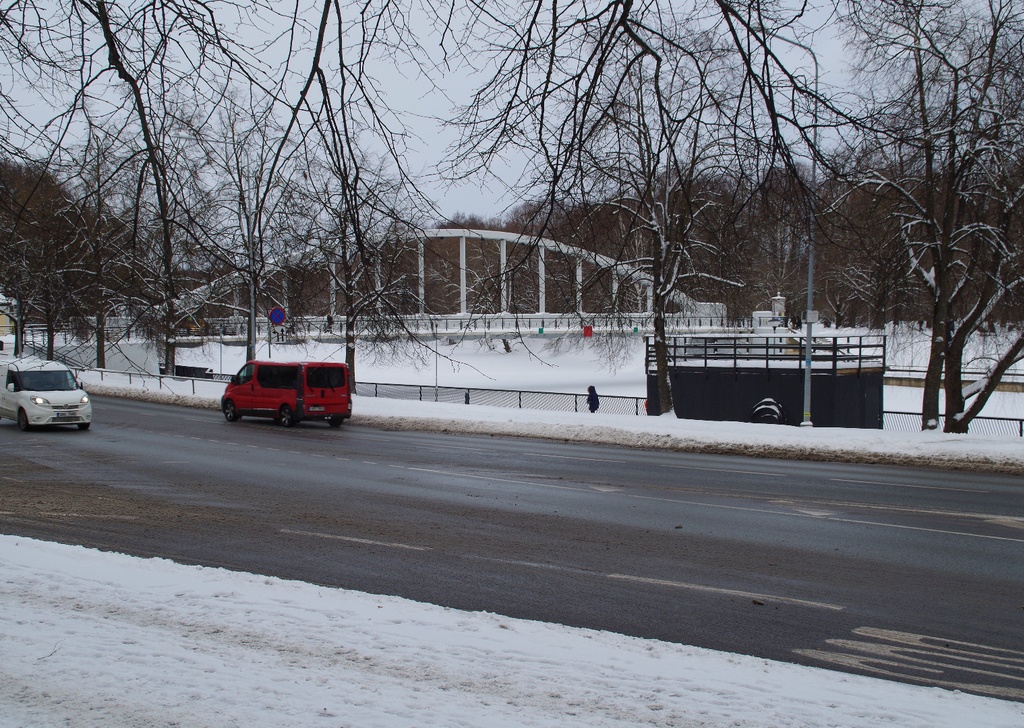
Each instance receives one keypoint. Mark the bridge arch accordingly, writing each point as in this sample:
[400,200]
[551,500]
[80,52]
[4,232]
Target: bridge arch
[503,272]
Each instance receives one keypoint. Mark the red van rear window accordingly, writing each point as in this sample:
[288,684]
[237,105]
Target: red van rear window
[325,377]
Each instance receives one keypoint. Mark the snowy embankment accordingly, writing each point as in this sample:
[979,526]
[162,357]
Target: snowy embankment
[101,640]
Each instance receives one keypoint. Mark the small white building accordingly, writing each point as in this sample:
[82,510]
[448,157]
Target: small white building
[6,321]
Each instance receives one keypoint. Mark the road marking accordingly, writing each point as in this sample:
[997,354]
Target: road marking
[101,516]
[13,480]
[907,485]
[799,513]
[927,530]
[814,513]
[925,659]
[353,539]
[574,457]
[754,596]
[725,470]
[493,479]
[795,513]
[1007,521]
[728,592]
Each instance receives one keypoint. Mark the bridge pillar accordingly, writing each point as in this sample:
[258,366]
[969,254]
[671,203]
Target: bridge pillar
[421,253]
[542,303]
[579,286]
[463,307]
[503,249]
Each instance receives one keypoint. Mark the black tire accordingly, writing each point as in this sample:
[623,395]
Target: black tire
[768,411]
[84,425]
[230,413]
[335,421]
[285,416]
[23,424]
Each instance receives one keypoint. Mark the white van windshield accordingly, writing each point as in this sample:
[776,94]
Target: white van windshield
[52,381]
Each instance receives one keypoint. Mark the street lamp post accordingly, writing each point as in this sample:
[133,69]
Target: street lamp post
[810,315]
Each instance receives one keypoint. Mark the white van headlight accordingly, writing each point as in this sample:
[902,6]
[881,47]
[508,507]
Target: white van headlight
[38,400]
[85,399]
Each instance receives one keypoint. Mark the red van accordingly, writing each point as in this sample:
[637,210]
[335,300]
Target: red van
[289,392]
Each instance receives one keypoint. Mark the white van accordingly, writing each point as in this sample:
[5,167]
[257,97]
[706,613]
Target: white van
[38,392]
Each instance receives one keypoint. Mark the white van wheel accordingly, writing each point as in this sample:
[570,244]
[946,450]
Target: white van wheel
[23,424]
[286,416]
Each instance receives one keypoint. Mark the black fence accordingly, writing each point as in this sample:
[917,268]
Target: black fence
[911,422]
[551,401]
[769,352]
[619,405]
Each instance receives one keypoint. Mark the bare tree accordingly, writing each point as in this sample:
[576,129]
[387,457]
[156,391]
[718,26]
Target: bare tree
[41,246]
[701,84]
[658,163]
[943,122]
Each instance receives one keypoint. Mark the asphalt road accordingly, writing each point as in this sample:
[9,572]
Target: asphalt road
[910,574]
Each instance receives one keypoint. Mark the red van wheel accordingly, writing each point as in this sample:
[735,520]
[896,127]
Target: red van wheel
[286,416]
[335,421]
[230,413]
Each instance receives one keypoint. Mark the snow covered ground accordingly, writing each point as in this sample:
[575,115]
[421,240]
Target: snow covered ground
[99,639]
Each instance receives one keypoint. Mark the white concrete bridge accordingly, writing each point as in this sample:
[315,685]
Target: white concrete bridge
[534,253]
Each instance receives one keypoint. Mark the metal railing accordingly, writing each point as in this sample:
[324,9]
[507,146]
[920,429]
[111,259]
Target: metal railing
[637,406]
[911,422]
[550,401]
[741,351]
[234,327]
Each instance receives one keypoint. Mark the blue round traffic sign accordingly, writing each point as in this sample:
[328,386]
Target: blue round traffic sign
[277,316]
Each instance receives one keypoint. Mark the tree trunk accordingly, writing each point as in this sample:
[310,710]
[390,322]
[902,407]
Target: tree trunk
[350,348]
[661,356]
[101,339]
[936,363]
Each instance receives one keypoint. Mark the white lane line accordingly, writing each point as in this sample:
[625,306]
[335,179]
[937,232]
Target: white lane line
[725,470]
[352,539]
[727,592]
[927,530]
[97,516]
[907,485]
[494,479]
[770,511]
[798,514]
[574,457]
[755,596]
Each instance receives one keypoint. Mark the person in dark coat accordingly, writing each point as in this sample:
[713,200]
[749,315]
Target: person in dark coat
[592,399]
